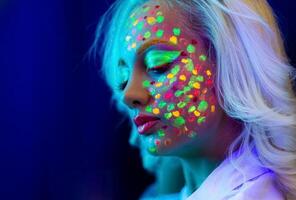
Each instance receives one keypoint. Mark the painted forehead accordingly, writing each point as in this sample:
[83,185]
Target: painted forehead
[150,21]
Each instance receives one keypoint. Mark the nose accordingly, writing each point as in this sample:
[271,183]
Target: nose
[135,95]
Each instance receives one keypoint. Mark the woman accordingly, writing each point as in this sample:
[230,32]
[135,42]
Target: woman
[208,82]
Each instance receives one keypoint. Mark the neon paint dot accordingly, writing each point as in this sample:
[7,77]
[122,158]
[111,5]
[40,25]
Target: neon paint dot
[212,108]
[174,39]
[185,60]
[161,79]
[162,104]
[176,113]
[157,96]
[175,70]
[128,38]
[200,78]
[156,111]
[179,121]
[154,28]
[160,19]
[202,57]
[196,85]
[134,45]
[177,31]
[168,95]
[157,142]
[178,93]
[190,96]
[147,35]
[151,20]
[186,89]
[189,66]
[209,82]
[181,104]
[203,105]
[146,8]
[182,78]
[132,15]
[135,22]
[140,25]
[159,33]
[168,115]
[159,84]
[170,75]
[194,72]
[152,149]
[201,120]
[191,109]
[208,72]
[152,91]
[196,113]
[173,80]
[191,119]
[146,83]
[161,133]
[158,13]
[171,107]
[204,91]
[190,48]
[148,109]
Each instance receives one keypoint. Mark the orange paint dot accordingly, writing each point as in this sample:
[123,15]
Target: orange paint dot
[196,113]
[176,113]
[170,75]
[208,72]
[156,111]
[151,20]
[182,78]
[174,39]
[190,96]
[204,90]
[159,84]
[196,85]
[212,108]
[194,72]
[157,96]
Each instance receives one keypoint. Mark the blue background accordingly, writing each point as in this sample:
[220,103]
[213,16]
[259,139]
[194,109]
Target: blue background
[60,136]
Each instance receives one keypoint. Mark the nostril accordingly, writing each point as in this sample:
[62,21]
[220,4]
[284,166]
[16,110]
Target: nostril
[136,102]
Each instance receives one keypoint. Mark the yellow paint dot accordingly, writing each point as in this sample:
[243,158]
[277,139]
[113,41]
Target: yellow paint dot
[212,108]
[174,39]
[182,78]
[194,72]
[190,96]
[134,45]
[157,96]
[159,84]
[136,22]
[185,60]
[208,72]
[196,113]
[196,85]
[151,20]
[204,90]
[156,111]
[176,113]
[170,75]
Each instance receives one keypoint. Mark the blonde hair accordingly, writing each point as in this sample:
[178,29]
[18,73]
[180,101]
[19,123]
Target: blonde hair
[254,78]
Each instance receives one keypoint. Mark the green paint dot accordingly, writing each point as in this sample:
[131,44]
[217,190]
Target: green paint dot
[161,133]
[171,107]
[200,78]
[159,19]
[147,35]
[162,104]
[189,66]
[159,33]
[140,25]
[168,115]
[190,48]
[181,104]
[173,80]
[146,9]
[152,149]
[178,93]
[192,109]
[161,78]
[148,109]
[202,57]
[186,89]
[201,120]
[175,70]
[203,105]
[179,121]
[177,31]
[146,83]
[152,91]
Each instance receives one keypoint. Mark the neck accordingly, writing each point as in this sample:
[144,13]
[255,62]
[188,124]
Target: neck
[196,170]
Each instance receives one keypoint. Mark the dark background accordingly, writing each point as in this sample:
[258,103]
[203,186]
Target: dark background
[58,138]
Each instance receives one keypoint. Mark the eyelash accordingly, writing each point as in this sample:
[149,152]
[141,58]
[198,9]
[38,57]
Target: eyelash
[156,70]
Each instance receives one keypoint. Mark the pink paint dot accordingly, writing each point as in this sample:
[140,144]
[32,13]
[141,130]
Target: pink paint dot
[157,142]
[209,82]
[191,119]
[154,28]
[139,37]
[168,95]
[152,12]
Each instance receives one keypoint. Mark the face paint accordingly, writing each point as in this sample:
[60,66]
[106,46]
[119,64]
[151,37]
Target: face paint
[181,93]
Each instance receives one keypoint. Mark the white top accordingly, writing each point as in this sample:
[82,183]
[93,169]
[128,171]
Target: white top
[251,182]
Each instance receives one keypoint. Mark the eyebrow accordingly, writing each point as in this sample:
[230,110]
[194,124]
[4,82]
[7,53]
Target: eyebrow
[150,43]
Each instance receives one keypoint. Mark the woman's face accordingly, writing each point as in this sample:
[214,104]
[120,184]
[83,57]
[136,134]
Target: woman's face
[170,81]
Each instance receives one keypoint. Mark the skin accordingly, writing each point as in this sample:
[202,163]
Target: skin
[171,76]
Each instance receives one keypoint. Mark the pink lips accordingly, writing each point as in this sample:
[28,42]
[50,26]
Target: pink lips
[145,123]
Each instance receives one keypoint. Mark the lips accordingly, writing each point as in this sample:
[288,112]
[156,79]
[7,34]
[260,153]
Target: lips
[145,123]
